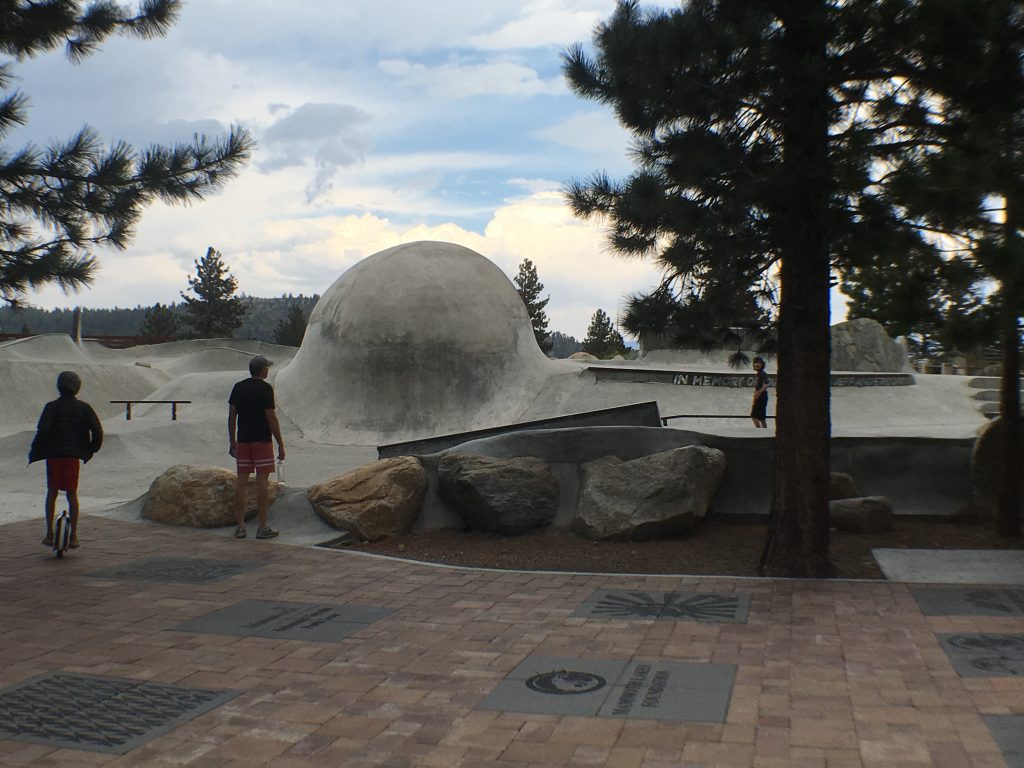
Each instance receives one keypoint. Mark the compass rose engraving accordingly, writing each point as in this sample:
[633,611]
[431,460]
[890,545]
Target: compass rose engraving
[671,605]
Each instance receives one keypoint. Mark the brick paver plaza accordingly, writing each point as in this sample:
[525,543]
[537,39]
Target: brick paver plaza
[156,646]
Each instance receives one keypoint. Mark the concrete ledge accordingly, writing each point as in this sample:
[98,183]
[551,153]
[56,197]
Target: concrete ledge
[636,414]
[736,380]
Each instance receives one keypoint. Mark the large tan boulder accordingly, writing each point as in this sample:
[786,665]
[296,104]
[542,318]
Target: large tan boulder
[841,486]
[987,468]
[374,501]
[198,497]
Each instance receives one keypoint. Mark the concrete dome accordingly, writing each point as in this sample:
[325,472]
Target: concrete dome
[422,339]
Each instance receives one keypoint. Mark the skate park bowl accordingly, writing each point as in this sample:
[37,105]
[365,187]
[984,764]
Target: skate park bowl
[418,340]
[426,346]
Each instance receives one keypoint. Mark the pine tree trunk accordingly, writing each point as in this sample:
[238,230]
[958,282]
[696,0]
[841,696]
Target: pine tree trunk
[798,530]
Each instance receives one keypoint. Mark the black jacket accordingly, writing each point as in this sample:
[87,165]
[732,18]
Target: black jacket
[68,428]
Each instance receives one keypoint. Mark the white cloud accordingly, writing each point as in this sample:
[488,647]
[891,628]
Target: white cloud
[377,122]
[591,132]
[454,81]
[546,23]
[306,255]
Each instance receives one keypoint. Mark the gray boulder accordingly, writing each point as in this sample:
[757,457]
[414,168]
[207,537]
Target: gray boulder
[198,497]
[664,494]
[864,514]
[863,345]
[500,495]
[375,501]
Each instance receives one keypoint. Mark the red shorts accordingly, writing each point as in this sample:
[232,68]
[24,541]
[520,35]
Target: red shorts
[62,474]
[254,457]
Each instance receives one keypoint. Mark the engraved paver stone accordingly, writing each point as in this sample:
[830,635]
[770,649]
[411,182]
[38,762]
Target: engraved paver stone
[979,655]
[99,714]
[638,690]
[311,622]
[970,601]
[1008,732]
[179,570]
[677,606]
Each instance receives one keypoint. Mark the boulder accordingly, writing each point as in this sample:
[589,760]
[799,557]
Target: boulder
[664,494]
[863,345]
[987,469]
[374,501]
[841,486]
[583,357]
[500,495]
[864,514]
[198,497]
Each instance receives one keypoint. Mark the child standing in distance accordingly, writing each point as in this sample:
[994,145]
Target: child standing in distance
[68,432]
[759,409]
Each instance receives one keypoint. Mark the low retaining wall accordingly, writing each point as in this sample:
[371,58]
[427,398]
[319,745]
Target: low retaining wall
[920,476]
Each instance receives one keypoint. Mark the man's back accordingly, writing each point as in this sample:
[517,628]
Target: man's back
[252,398]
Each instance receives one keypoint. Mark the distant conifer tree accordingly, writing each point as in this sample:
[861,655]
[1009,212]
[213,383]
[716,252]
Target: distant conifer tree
[602,340]
[214,311]
[530,287]
[292,327]
[159,320]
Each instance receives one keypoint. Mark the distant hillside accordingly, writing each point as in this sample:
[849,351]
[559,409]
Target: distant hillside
[260,321]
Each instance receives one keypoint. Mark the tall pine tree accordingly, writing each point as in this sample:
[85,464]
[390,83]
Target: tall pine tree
[529,286]
[762,136]
[214,311]
[58,203]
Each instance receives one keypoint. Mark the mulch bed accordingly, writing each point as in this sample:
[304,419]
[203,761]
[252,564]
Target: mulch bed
[719,547]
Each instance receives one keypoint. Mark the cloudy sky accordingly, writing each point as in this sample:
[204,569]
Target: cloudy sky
[378,122]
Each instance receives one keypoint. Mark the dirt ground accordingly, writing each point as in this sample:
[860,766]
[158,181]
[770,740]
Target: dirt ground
[718,547]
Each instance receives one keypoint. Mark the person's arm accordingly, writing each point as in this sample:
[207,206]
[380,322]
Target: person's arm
[42,431]
[95,431]
[275,430]
[232,424]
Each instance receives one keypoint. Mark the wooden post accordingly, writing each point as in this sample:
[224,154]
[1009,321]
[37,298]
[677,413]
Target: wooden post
[76,326]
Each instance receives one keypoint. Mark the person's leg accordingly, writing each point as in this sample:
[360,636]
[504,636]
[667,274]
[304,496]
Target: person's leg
[241,485]
[262,497]
[73,514]
[51,505]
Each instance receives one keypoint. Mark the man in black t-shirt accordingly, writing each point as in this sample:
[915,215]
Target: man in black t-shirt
[252,421]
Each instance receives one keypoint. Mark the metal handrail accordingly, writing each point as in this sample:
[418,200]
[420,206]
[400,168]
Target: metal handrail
[128,406]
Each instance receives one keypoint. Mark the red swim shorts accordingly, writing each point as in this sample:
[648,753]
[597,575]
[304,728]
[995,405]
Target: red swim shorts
[62,474]
[254,457]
